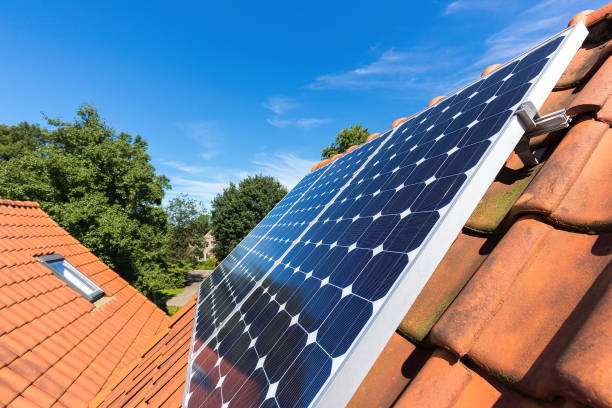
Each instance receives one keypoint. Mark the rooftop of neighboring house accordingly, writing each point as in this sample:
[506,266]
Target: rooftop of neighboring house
[518,313]
[56,347]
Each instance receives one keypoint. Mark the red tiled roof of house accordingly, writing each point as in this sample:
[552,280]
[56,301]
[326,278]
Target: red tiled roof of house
[56,348]
[158,377]
[519,311]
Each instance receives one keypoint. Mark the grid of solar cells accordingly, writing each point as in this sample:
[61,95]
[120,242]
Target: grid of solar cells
[285,309]
[231,280]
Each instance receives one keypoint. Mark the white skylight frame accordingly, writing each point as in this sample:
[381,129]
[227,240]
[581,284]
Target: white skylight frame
[74,278]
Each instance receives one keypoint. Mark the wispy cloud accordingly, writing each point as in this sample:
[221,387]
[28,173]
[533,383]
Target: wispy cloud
[208,134]
[448,68]
[280,104]
[470,5]
[204,191]
[183,167]
[529,28]
[209,181]
[392,69]
[288,168]
[304,123]
[412,69]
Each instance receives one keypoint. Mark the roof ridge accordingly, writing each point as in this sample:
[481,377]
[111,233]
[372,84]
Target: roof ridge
[184,309]
[16,203]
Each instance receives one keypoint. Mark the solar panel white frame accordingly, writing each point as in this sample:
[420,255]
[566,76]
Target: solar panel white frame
[354,365]
[345,381]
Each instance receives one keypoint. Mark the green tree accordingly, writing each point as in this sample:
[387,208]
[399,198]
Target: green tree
[97,184]
[240,208]
[354,135]
[188,221]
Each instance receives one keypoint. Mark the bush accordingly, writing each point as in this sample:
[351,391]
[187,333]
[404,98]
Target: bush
[208,264]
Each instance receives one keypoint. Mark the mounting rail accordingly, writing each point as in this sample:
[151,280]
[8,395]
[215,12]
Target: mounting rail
[536,124]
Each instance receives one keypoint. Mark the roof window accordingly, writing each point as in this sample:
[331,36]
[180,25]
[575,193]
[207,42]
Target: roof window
[72,276]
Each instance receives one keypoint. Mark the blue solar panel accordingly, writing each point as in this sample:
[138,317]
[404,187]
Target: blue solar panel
[297,313]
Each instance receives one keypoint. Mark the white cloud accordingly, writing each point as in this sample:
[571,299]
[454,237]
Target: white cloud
[304,123]
[447,69]
[529,28]
[280,105]
[288,168]
[208,154]
[183,167]
[201,190]
[208,134]
[461,5]
[417,68]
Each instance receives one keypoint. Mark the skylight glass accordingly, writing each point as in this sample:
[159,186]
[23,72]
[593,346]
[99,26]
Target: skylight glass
[72,276]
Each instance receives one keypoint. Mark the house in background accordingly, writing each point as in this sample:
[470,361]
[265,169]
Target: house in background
[518,313]
[209,245]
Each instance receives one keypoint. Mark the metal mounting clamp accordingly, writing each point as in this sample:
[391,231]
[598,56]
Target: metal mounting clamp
[534,125]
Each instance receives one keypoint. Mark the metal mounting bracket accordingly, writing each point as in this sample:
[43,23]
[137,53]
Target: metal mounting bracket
[534,125]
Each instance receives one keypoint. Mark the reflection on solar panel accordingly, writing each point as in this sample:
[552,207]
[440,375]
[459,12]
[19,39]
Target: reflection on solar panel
[296,315]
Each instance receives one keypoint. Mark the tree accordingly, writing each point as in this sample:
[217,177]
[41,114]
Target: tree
[237,210]
[354,135]
[97,184]
[188,220]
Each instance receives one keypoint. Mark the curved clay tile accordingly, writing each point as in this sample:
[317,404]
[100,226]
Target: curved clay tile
[398,121]
[373,136]
[436,100]
[490,68]
[350,149]
[336,156]
[598,15]
[580,17]
[321,164]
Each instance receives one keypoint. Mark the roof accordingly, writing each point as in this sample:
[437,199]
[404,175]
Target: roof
[56,348]
[157,378]
[519,311]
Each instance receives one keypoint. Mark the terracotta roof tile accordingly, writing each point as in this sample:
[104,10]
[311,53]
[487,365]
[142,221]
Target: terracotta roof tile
[456,268]
[50,345]
[21,402]
[438,384]
[33,393]
[516,320]
[13,382]
[390,374]
[560,176]
[157,375]
[594,93]
[585,363]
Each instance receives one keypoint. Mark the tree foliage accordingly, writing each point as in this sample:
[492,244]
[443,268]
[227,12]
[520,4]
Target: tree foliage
[97,184]
[354,135]
[237,210]
[188,222]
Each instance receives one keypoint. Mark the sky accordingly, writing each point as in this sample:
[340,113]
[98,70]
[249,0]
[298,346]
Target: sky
[229,89]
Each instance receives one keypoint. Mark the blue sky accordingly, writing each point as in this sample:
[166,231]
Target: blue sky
[224,90]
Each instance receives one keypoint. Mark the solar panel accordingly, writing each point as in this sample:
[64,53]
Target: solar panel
[296,315]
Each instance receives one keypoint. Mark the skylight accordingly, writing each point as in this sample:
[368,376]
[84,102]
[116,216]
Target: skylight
[72,276]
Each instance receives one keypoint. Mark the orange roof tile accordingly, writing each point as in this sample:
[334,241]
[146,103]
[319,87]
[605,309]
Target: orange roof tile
[157,376]
[50,337]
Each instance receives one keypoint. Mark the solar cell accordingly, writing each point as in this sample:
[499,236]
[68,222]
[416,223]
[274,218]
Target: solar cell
[297,313]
